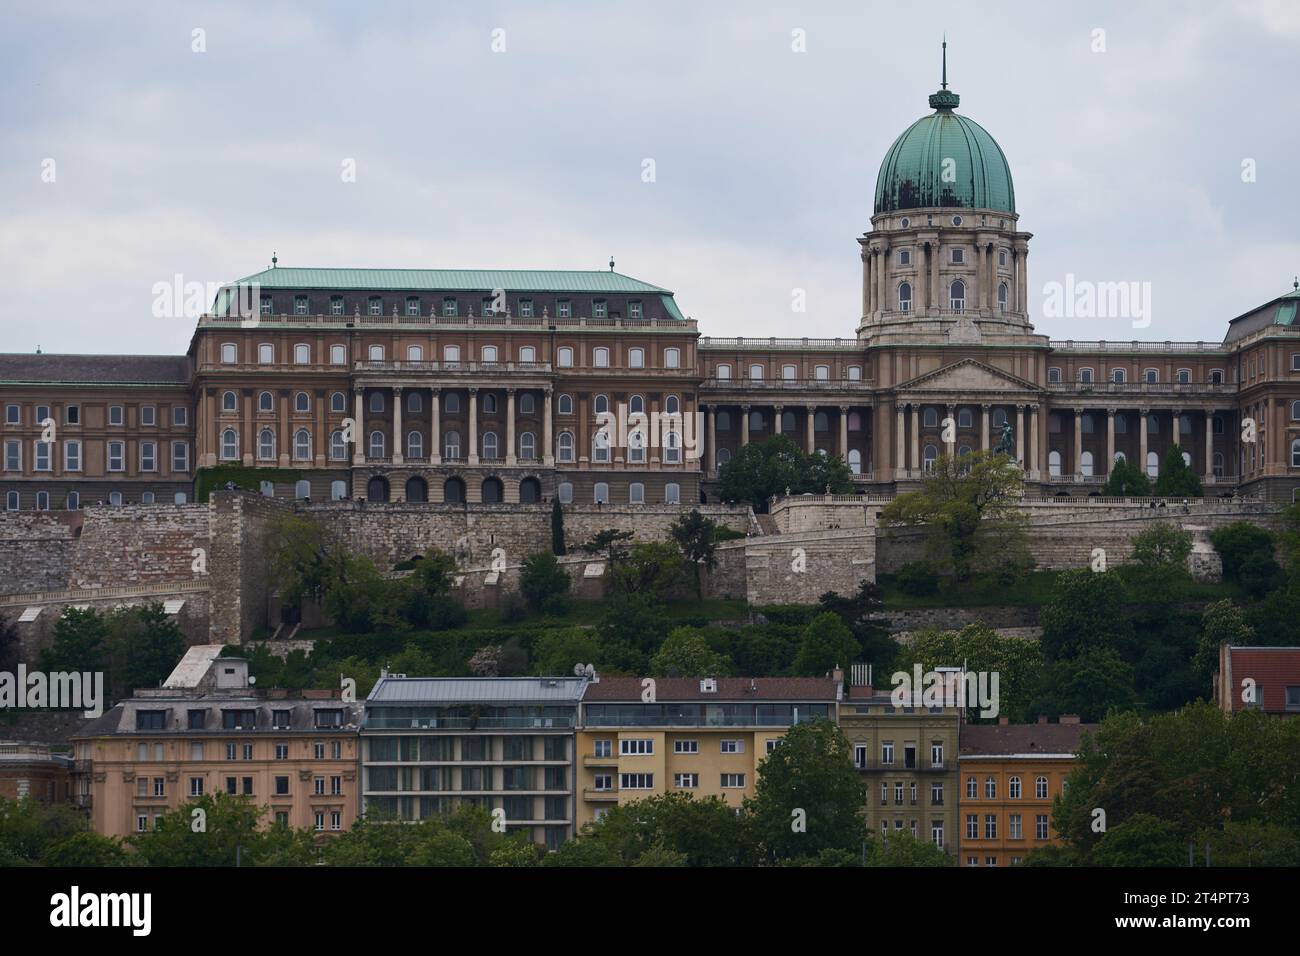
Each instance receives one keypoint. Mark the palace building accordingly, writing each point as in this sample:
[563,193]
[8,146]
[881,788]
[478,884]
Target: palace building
[513,386]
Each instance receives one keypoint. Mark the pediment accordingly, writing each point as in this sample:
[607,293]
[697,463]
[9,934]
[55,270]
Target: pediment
[965,376]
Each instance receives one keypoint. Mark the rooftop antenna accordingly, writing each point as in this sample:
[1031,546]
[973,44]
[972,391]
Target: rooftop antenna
[38,350]
[611,263]
[274,260]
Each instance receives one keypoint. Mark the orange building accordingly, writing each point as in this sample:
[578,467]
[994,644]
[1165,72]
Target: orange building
[1009,776]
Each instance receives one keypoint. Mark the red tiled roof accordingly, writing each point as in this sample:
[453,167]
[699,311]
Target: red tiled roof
[1273,669]
[729,689]
[989,739]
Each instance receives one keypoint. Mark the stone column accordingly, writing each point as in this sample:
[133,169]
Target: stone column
[952,419]
[548,453]
[923,278]
[984,427]
[471,440]
[1142,453]
[977,300]
[1110,439]
[1020,437]
[398,457]
[776,418]
[435,413]
[1078,442]
[866,283]
[1036,449]
[744,425]
[936,300]
[359,428]
[812,429]
[883,266]
[1022,278]
[510,427]
[1176,426]
[844,432]
[1209,445]
[712,438]
[900,436]
[283,434]
[915,462]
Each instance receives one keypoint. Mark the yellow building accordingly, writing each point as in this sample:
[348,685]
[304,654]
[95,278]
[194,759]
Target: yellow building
[1010,774]
[638,737]
[207,731]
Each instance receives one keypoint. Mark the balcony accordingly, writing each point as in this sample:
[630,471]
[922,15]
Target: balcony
[594,761]
[741,342]
[770,385]
[599,796]
[456,368]
[1139,389]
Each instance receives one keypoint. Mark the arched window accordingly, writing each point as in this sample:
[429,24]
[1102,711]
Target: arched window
[229,353]
[787,422]
[414,402]
[672,448]
[265,445]
[1184,376]
[452,403]
[1120,456]
[338,447]
[963,450]
[376,353]
[266,353]
[453,491]
[1153,464]
[228,402]
[302,402]
[636,358]
[1295,453]
[527,446]
[1013,788]
[821,422]
[377,489]
[451,354]
[489,444]
[73,501]
[723,423]
[565,357]
[672,358]
[1054,464]
[1153,424]
[636,493]
[1295,411]
[957,296]
[1002,297]
[999,417]
[965,418]
[565,492]
[417,490]
[672,493]
[229,445]
[1117,375]
[302,489]
[489,404]
[600,445]
[930,417]
[600,404]
[1040,788]
[1085,376]
[530,491]
[990,788]
[566,404]
[338,490]
[724,456]
[600,494]
[929,457]
[905,297]
[566,447]
[855,461]
[636,405]
[376,444]
[600,357]
[1218,464]
[1085,464]
[755,421]
[636,446]
[722,371]
[414,353]
[376,401]
[266,489]
[527,404]
[42,501]
[115,499]
[756,372]
[265,402]
[302,445]
[451,445]
[338,402]
[414,444]
[672,405]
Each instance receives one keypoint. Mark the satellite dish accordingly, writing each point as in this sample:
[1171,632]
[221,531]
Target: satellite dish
[252,680]
[578,670]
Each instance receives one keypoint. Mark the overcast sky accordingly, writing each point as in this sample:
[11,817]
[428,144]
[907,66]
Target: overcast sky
[166,161]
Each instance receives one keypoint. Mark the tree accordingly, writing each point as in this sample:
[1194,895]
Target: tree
[557,651]
[544,584]
[696,536]
[225,830]
[1126,480]
[631,628]
[1177,479]
[770,467]
[1162,545]
[900,848]
[80,642]
[1085,611]
[38,834]
[557,528]
[685,653]
[1141,840]
[303,558]
[144,645]
[610,543]
[1222,623]
[970,508]
[809,779]
[651,568]
[862,613]
[1090,685]
[1236,543]
[826,643]
[10,645]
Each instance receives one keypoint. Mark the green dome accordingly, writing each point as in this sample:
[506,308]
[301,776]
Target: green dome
[911,177]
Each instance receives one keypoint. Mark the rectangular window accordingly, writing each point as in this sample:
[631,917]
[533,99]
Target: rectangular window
[733,746]
[599,309]
[72,414]
[148,415]
[1040,826]
[42,450]
[733,781]
[636,781]
[686,781]
[604,748]
[281,786]
[13,415]
[13,456]
[686,746]
[564,309]
[148,456]
[636,746]
[1014,824]
[196,786]
[526,308]
[180,415]
[180,456]
[281,751]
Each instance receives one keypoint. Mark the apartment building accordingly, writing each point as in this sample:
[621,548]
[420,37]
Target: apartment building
[642,737]
[31,771]
[431,745]
[1010,774]
[1258,678]
[207,730]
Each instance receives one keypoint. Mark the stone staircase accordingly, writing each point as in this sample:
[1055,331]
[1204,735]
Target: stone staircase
[767,524]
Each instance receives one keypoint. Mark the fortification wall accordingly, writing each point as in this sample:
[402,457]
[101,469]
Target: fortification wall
[239,562]
[37,549]
[138,544]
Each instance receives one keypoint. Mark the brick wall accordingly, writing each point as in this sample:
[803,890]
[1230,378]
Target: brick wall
[37,549]
[138,544]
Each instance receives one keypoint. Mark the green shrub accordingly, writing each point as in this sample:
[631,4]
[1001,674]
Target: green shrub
[917,579]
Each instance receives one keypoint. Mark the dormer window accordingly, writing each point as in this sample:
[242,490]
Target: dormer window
[375,306]
[599,309]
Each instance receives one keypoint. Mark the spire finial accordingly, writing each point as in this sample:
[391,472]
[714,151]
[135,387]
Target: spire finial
[944,99]
[274,259]
[945,61]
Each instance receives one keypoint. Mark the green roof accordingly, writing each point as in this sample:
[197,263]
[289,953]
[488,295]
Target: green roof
[451,280]
[945,160]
